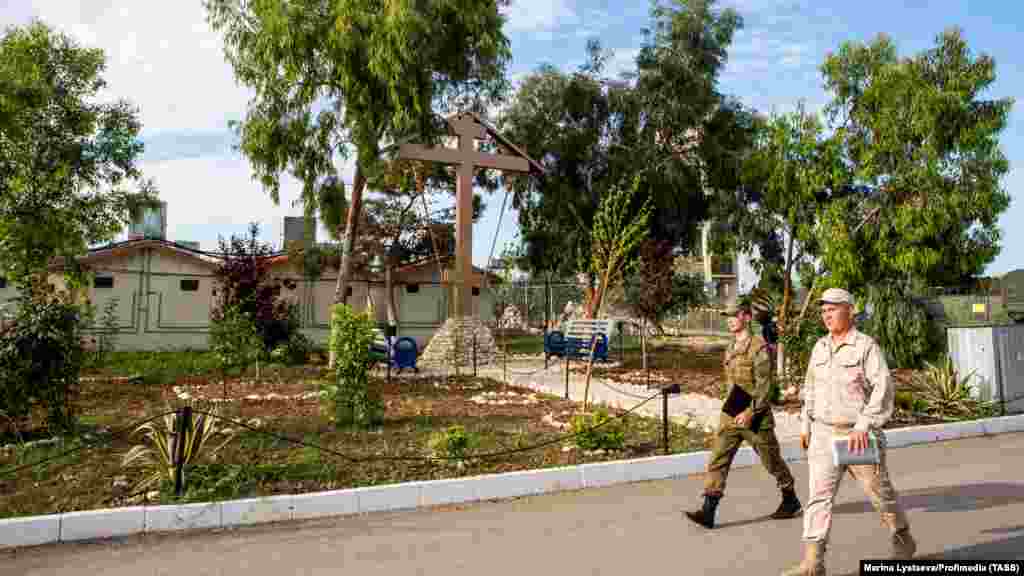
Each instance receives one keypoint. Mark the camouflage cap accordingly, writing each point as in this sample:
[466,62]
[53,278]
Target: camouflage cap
[836,296]
[735,309]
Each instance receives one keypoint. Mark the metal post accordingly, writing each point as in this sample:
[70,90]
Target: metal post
[566,356]
[183,422]
[664,418]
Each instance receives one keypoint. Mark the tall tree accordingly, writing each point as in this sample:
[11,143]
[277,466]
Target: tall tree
[64,156]
[609,130]
[336,76]
[788,178]
[918,134]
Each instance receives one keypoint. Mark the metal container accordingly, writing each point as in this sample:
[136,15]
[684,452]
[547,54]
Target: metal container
[996,356]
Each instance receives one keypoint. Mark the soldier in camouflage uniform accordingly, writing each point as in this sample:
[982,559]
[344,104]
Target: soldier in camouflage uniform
[847,393]
[748,365]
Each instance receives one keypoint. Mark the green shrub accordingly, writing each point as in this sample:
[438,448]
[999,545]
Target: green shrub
[950,396]
[903,327]
[455,442]
[234,338]
[598,430]
[797,344]
[353,400]
[41,355]
[294,352]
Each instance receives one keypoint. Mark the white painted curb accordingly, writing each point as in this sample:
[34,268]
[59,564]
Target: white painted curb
[100,524]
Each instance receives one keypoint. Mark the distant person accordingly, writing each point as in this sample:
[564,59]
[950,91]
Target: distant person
[748,366]
[847,393]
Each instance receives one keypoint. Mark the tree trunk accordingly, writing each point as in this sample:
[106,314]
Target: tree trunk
[787,296]
[351,230]
[643,341]
[596,310]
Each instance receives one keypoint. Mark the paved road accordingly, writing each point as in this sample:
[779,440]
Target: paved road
[965,500]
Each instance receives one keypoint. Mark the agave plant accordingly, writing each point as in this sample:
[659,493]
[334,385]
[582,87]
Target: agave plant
[946,393]
[158,455]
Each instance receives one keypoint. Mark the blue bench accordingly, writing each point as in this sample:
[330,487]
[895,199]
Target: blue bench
[403,351]
[576,341]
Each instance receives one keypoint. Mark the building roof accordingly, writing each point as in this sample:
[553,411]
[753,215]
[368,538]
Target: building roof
[128,246]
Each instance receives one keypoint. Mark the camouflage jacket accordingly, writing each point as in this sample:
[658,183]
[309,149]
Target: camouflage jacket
[749,366]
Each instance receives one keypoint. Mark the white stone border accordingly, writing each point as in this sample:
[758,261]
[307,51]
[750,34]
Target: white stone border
[118,522]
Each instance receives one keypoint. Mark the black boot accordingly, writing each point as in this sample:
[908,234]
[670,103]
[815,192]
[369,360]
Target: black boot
[790,506]
[706,515]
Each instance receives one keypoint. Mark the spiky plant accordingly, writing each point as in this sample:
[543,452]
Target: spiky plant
[157,456]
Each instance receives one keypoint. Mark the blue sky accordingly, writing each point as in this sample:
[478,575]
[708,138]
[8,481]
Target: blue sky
[163,57]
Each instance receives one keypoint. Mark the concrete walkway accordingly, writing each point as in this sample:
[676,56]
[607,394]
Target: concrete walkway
[692,409]
[965,501]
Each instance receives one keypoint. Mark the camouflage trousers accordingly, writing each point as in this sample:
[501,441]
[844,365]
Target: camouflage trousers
[825,478]
[728,440]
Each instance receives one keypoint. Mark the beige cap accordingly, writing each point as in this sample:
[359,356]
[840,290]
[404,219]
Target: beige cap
[836,296]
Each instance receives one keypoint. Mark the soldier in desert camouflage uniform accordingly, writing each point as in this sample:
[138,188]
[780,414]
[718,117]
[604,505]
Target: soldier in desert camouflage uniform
[847,393]
[748,365]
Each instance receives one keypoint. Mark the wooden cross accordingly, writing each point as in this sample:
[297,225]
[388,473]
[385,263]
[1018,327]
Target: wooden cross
[468,128]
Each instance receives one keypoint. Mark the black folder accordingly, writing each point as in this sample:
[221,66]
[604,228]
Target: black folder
[737,401]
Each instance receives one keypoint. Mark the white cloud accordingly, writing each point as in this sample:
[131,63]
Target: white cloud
[161,56]
[539,15]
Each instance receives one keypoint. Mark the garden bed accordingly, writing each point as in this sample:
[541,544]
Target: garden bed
[285,402]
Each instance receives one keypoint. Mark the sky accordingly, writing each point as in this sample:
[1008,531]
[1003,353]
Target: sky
[164,58]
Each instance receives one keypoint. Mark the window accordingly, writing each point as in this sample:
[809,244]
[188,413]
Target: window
[412,288]
[104,282]
[189,284]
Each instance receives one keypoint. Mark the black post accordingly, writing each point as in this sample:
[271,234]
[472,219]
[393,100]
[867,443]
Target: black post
[184,422]
[566,375]
[664,418]
[622,344]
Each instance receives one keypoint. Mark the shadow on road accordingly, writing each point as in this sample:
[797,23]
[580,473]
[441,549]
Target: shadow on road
[956,498]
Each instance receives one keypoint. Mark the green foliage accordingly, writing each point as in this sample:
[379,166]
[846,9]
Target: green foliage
[332,76]
[63,155]
[107,340]
[234,338]
[598,430]
[918,135]
[244,284]
[295,352]
[157,456]
[656,291]
[352,399]
[949,395]
[902,326]
[454,442]
[617,233]
[609,130]
[41,355]
[909,402]
[798,342]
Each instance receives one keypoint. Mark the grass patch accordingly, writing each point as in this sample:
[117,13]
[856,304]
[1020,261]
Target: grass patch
[255,464]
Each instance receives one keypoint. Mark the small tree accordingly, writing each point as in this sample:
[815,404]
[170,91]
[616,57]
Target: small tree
[615,239]
[354,401]
[656,291]
[244,285]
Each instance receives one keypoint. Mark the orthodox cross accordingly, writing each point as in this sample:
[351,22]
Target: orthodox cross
[468,128]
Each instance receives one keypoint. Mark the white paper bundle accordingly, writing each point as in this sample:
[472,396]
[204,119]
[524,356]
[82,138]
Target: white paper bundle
[841,455]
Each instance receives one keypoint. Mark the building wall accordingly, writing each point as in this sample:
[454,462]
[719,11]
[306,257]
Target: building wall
[164,299]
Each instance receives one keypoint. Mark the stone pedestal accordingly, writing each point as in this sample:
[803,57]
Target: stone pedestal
[452,344]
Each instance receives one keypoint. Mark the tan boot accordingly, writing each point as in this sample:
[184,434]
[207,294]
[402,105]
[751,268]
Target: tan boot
[903,545]
[813,563]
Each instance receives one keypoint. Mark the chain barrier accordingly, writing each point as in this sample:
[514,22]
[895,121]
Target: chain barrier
[110,437]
